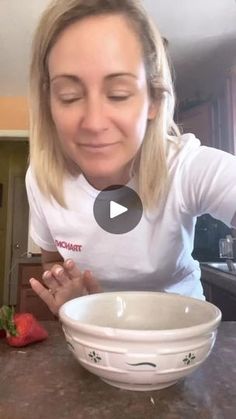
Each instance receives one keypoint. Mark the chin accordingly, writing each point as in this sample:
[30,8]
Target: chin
[100,172]
[103,178]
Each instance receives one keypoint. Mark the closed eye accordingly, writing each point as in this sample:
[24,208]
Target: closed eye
[119,98]
[70,99]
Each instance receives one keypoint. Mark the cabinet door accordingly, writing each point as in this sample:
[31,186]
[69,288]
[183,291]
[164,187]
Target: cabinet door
[199,121]
[28,271]
[27,300]
[224,120]
[31,303]
[231,106]
[226,303]
[207,290]
[214,122]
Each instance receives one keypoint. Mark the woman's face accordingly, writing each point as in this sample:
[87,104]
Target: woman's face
[99,97]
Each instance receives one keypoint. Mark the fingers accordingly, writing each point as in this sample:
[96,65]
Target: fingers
[91,283]
[72,269]
[44,294]
[87,279]
[55,277]
[66,280]
[60,275]
[49,280]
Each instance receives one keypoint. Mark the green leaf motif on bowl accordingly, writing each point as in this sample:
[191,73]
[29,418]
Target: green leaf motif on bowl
[94,357]
[189,358]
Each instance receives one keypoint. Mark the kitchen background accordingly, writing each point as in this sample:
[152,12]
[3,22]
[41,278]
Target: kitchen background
[201,42]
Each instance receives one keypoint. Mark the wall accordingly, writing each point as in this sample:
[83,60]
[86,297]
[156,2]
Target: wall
[14,113]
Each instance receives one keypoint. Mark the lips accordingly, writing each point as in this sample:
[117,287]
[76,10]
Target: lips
[96,146]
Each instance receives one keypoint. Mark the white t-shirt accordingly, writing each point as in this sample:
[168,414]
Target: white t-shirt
[156,254]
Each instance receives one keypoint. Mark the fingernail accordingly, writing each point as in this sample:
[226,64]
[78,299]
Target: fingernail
[59,271]
[46,274]
[70,263]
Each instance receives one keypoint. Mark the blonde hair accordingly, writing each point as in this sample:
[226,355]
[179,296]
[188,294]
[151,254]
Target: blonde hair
[46,156]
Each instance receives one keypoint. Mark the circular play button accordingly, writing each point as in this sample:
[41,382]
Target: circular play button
[118,209]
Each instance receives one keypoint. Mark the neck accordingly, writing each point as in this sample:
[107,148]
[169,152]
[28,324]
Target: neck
[103,182]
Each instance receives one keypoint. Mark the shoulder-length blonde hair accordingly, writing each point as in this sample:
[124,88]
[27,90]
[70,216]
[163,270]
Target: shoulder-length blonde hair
[46,156]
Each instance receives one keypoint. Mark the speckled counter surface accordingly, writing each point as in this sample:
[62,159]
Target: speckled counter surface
[45,381]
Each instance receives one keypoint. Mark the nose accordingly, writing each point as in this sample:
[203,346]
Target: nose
[94,118]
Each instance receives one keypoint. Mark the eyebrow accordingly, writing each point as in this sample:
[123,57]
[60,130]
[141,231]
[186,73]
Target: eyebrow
[108,77]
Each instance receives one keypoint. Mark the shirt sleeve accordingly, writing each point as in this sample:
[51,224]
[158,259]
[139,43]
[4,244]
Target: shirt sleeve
[39,229]
[209,183]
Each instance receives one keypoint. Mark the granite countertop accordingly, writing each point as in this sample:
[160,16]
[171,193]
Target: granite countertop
[224,280]
[44,381]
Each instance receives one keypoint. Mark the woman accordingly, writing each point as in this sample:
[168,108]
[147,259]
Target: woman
[102,106]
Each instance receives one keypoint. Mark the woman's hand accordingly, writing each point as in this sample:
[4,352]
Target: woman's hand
[64,282]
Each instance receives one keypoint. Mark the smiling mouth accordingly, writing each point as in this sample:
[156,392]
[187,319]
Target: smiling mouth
[96,146]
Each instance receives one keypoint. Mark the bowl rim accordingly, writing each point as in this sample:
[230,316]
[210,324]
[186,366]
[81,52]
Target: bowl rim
[148,334]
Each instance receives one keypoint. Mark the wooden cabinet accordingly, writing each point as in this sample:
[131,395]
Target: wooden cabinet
[214,121]
[27,300]
[226,303]
[199,120]
[222,298]
[231,106]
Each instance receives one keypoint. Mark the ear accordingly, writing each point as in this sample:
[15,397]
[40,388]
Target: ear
[152,110]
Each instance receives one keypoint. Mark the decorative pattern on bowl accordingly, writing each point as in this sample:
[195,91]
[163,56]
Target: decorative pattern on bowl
[147,370]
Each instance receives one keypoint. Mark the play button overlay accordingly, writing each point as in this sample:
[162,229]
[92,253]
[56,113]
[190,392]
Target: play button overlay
[118,209]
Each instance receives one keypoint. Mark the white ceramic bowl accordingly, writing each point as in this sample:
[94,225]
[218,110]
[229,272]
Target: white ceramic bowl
[140,340]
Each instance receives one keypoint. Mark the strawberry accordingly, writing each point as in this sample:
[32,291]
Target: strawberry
[2,333]
[21,328]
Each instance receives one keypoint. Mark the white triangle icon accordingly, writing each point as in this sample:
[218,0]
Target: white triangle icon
[116,209]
